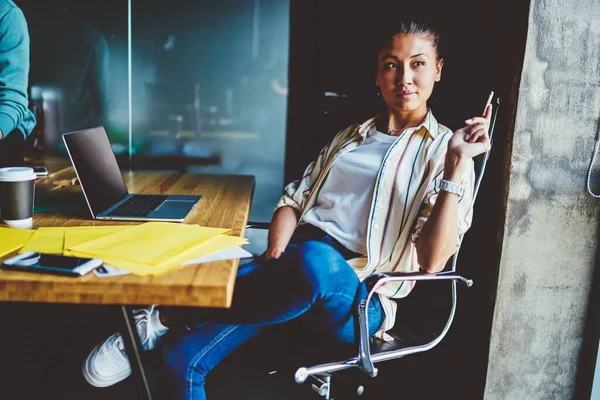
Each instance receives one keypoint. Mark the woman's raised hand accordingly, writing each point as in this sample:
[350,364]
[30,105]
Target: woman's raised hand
[473,139]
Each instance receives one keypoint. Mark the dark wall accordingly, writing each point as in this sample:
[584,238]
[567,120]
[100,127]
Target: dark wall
[483,45]
[331,50]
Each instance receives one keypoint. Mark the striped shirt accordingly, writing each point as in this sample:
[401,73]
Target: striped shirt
[405,192]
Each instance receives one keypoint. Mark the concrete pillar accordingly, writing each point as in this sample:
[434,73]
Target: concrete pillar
[550,239]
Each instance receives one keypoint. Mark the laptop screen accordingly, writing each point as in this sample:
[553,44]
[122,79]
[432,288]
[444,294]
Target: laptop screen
[96,168]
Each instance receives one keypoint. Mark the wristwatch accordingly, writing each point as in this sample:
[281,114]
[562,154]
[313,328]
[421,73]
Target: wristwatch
[452,187]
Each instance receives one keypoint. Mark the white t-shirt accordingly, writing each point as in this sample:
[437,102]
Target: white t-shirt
[343,204]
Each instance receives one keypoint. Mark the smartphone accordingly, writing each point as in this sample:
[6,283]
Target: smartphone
[40,170]
[52,264]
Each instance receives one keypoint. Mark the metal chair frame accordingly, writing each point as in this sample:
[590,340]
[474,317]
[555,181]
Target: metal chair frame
[364,360]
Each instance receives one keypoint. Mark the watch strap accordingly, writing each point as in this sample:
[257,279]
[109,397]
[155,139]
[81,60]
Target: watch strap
[452,187]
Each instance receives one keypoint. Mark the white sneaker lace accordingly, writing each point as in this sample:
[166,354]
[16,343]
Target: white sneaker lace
[144,329]
[120,345]
[142,317]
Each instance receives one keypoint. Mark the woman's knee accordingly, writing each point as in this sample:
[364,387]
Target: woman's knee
[322,265]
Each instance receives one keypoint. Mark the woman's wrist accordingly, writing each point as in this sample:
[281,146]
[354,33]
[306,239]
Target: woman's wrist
[454,168]
[276,248]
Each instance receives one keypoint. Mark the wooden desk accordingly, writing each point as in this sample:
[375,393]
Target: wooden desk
[225,203]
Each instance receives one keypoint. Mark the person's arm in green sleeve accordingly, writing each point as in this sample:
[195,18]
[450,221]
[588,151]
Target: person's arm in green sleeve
[14,71]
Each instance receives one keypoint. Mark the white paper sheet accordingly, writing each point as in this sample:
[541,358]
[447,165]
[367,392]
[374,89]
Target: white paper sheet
[227,254]
[107,270]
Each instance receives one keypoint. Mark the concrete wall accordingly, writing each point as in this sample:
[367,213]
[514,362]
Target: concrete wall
[550,239]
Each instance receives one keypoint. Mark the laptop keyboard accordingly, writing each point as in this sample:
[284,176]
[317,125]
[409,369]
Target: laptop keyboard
[137,206]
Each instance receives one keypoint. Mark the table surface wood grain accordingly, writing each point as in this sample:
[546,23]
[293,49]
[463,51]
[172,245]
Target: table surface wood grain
[225,203]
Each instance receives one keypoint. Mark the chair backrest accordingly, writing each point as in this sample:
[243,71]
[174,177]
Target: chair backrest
[435,308]
[480,163]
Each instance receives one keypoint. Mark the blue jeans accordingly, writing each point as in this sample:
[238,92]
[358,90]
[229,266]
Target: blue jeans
[311,279]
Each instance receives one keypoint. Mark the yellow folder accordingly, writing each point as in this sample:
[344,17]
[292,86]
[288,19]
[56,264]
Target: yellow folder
[152,243]
[54,240]
[82,234]
[46,240]
[216,243]
[148,249]
[12,239]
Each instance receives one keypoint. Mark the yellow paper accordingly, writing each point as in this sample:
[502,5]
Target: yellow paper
[214,244]
[55,240]
[46,240]
[13,239]
[152,243]
[82,234]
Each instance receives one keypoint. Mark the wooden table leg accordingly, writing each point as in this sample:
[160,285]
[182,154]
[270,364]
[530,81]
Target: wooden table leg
[133,347]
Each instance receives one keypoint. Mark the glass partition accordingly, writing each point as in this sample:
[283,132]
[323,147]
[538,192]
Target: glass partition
[78,67]
[190,86]
[209,83]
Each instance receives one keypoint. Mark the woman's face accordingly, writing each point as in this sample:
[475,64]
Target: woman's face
[407,71]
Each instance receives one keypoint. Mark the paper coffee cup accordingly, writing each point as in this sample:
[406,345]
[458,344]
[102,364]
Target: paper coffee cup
[16,196]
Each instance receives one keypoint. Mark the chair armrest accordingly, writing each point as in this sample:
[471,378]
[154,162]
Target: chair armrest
[380,278]
[364,362]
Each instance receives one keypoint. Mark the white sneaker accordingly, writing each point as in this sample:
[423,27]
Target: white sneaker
[108,364]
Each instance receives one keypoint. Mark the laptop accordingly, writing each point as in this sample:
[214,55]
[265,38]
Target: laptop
[104,188]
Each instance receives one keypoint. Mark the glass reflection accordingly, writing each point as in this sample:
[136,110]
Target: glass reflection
[209,83]
[78,68]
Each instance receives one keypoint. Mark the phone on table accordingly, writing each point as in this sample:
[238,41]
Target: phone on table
[40,170]
[52,264]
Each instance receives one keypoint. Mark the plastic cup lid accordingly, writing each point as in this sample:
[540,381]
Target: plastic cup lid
[16,174]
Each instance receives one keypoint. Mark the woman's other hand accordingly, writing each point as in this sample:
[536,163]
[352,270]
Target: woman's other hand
[473,139]
[282,228]
[271,253]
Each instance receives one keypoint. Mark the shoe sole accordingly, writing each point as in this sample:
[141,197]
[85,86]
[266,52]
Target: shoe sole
[86,369]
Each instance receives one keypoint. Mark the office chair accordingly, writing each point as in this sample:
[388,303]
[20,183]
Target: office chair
[414,334]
